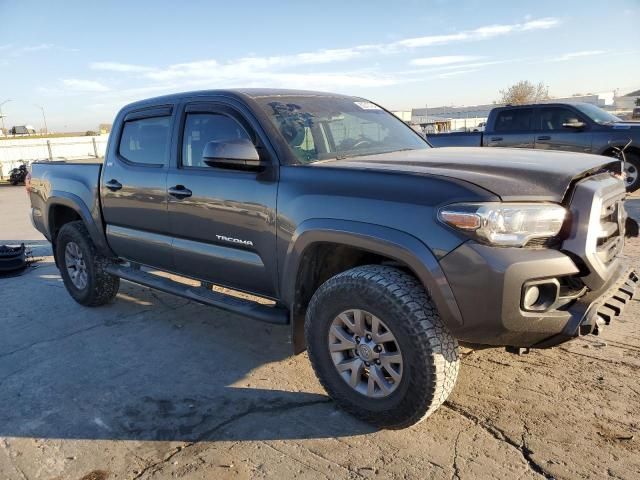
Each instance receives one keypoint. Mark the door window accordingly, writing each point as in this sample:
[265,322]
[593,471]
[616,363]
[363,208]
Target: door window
[146,140]
[202,128]
[552,118]
[516,120]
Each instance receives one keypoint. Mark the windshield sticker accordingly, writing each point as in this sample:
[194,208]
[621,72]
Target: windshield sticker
[367,106]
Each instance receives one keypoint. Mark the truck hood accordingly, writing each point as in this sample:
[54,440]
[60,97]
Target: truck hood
[635,126]
[513,174]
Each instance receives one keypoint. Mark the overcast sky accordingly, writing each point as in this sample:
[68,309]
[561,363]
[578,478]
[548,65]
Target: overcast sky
[82,61]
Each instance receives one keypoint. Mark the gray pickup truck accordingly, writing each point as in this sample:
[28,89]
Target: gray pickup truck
[381,253]
[579,127]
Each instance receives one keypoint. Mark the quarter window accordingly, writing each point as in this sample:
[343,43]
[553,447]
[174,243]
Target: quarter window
[202,128]
[146,141]
[514,120]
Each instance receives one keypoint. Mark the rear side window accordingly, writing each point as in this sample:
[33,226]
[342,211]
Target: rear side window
[552,118]
[514,120]
[146,140]
[202,128]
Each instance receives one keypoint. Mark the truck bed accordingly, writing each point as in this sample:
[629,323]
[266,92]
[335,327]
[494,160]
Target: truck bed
[56,180]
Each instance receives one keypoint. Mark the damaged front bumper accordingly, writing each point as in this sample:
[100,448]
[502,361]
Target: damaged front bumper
[600,309]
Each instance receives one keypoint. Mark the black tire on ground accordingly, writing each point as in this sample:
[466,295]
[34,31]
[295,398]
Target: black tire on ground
[101,286]
[430,353]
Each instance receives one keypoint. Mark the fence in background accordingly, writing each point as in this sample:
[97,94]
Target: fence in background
[13,152]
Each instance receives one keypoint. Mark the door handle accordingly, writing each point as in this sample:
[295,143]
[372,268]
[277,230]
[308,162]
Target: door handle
[113,185]
[180,192]
[544,137]
[496,139]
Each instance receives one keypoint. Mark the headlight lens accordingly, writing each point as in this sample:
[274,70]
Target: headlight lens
[506,224]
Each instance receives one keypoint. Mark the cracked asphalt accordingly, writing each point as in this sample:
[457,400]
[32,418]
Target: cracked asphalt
[154,386]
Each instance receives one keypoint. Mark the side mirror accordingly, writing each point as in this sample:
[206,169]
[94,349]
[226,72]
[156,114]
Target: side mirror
[576,125]
[237,153]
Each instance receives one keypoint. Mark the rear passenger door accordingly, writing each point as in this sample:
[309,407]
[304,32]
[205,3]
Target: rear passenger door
[553,135]
[513,128]
[134,187]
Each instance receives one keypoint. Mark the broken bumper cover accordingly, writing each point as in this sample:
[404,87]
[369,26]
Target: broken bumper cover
[600,312]
[488,284]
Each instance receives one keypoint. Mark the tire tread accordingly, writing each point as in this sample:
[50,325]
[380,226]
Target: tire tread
[105,286]
[429,386]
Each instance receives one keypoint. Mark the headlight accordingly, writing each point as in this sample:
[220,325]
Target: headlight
[506,224]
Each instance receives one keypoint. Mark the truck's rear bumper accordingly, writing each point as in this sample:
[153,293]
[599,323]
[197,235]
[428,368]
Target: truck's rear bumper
[488,284]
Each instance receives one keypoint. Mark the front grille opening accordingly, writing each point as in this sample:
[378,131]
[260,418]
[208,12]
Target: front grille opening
[610,239]
[571,288]
[547,242]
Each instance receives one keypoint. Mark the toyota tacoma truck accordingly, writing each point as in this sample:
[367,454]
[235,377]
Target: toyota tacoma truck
[380,253]
[577,127]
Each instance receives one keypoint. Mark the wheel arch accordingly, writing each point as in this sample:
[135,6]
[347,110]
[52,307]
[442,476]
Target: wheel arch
[610,149]
[65,207]
[349,244]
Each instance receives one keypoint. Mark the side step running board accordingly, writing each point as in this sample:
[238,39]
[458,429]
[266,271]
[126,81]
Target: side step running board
[263,313]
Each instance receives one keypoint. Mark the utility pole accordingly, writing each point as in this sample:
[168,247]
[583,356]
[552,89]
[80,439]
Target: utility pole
[46,130]
[1,115]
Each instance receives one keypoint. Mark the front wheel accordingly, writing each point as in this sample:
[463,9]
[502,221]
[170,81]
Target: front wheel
[632,172]
[379,348]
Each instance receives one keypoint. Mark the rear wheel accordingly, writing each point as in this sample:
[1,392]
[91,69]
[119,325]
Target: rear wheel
[82,268]
[379,348]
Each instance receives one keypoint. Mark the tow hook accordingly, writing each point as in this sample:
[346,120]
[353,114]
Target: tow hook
[518,350]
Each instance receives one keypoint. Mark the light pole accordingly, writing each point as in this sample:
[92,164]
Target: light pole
[1,115]
[46,130]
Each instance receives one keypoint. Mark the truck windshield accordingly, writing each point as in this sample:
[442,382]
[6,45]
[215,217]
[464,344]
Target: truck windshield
[597,114]
[327,128]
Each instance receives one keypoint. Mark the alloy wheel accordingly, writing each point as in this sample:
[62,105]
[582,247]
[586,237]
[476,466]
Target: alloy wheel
[365,353]
[631,174]
[75,265]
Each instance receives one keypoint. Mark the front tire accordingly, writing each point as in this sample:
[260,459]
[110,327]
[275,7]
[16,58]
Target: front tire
[632,170]
[379,348]
[82,268]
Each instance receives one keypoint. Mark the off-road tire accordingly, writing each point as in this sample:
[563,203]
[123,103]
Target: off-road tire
[430,353]
[101,287]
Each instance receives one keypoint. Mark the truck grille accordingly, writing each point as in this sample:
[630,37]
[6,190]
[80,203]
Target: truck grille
[611,236]
[597,227]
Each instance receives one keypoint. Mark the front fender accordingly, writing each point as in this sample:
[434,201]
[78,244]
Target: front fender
[385,241]
[620,140]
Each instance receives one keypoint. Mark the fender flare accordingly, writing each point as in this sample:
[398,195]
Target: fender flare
[385,241]
[75,203]
[618,142]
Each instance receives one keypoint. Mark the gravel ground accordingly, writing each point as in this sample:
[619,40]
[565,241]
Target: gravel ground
[155,386]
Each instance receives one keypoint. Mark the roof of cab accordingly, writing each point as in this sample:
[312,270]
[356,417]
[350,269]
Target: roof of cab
[545,103]
[246,93]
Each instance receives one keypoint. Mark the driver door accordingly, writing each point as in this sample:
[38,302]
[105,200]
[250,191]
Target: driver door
[222,220]
[552,135]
